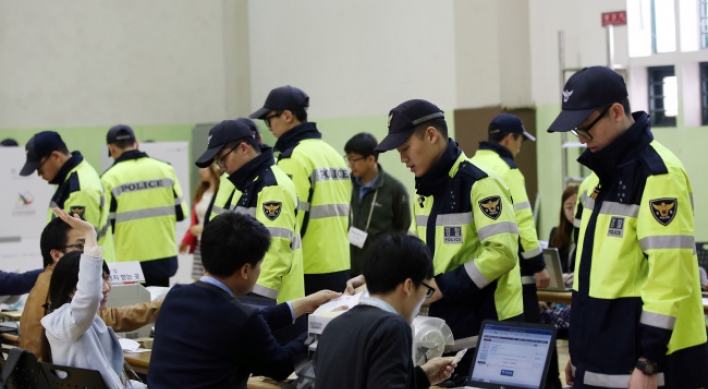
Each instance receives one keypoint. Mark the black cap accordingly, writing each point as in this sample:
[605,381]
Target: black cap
[252,125]
[403,120]
[9,142]
[285,97]
[507,123]
[120,132]
[219,136]
[39,146]
[587,90]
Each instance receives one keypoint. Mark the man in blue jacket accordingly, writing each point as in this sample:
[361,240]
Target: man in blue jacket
[205,337]
[12,284]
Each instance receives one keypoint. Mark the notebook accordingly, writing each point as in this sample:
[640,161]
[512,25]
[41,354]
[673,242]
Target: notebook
[553,265]
[511,356]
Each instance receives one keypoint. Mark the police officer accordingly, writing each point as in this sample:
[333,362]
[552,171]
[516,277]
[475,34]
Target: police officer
[506,134]
[637,317]
[78,186]
[145,202]
[465,216]
[322,183]
[222,198]
[266,193]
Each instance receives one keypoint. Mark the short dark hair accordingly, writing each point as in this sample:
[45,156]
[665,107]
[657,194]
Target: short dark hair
[300,114]
[54,237]
[64,278]
[438,124]
[499,136]
[9,142]
[124,144]
[362,144]
[393,259]
[63,149]
[232,240]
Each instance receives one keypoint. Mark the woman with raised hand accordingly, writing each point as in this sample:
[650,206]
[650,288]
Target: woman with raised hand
[79,287]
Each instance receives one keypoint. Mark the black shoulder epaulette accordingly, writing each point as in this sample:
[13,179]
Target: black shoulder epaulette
[653,161]
[268,178]
[469,169]
[510,162]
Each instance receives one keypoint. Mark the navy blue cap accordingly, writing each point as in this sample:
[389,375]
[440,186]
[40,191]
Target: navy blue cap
[219,136]
[252,125]
[39,146]
[282,98]
[120,132]
[403,120]
[587,90]
[507,123]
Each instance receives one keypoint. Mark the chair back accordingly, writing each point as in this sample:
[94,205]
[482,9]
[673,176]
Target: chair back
[20,370]
[64,377]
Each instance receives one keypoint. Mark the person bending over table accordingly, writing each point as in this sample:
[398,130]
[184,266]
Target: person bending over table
[205,337]
[370,346]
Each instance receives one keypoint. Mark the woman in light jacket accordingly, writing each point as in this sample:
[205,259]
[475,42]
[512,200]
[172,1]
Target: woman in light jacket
[79,287]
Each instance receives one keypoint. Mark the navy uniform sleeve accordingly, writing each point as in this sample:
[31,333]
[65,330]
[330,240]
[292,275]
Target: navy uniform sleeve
[12,284]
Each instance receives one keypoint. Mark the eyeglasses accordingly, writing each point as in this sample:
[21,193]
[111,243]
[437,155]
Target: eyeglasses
[220,163]
[585,131]
[41,163]
[430,291]
[78,246]
[352,160]
[274,115]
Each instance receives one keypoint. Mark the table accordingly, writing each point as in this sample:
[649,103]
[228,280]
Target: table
[10,315]
[141,362]
[565,297]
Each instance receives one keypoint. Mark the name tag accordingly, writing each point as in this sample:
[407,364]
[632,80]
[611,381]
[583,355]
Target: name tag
[357,237]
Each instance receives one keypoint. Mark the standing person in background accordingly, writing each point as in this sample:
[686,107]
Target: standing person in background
[322,183]
[637,318]
[204,195]
[506,134]
[562,235]
[379,202]
[78,186]
[145,201]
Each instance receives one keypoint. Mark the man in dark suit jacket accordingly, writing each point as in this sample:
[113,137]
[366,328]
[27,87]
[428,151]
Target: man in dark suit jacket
[205,337]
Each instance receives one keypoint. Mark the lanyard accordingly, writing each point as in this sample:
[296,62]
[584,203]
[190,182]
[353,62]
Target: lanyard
[371,212]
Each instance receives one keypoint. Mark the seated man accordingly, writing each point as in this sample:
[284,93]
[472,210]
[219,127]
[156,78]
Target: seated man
[205,337]
[370,346]
[58,238]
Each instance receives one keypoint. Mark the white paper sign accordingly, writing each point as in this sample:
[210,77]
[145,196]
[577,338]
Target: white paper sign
[126,273]
[357,237]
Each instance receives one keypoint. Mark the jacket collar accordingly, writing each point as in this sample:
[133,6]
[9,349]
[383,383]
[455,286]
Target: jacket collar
[432,181]
[622,151]
[503,152]
[131,154]
[75,160]
[296,134]
[248,172]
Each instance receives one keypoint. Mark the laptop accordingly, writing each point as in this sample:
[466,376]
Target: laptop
[553,265]
[511,356]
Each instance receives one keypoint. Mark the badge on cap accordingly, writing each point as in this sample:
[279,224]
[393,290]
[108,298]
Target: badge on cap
[79,210]
[390,117]
[209,139]
[664,210]
[491,206]
[566,95]
[272,209]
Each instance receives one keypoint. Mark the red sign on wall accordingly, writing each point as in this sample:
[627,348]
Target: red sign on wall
[614,18]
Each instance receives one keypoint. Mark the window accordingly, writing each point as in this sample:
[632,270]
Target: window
[663,96]
[703,23]
[704,93]
[663,26]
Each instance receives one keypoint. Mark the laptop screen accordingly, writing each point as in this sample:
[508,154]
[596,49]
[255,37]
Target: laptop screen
[512,355]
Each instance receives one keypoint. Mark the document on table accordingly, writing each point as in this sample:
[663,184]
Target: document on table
[344,301]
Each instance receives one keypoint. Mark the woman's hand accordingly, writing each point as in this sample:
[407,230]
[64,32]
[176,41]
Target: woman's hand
[75,222]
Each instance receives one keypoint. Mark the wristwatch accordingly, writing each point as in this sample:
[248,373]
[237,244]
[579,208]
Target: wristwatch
[647,367]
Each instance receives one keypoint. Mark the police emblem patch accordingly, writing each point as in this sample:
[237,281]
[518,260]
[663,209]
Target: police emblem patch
[664,210]
[491,206]
[453,234]
[272,209]
[79,210]
[616,227]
